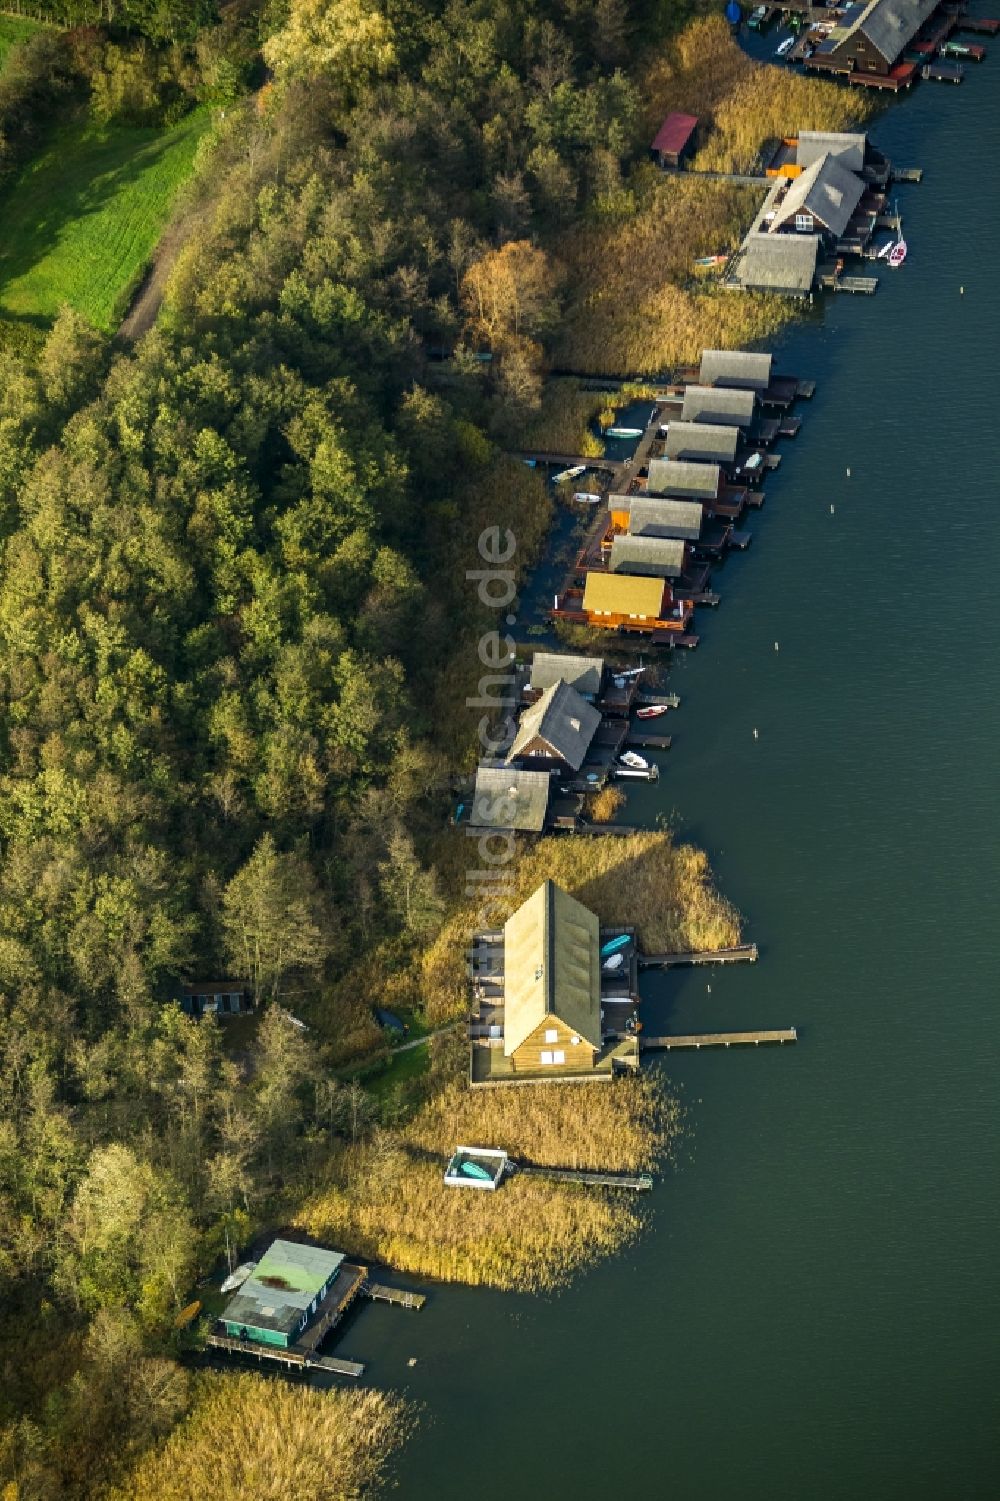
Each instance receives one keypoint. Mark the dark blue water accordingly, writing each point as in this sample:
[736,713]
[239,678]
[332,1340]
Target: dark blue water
[815,1308]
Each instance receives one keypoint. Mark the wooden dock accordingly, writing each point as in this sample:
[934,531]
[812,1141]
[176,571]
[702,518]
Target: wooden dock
[742,953]
[718,1039]
[943,72]
[907,174]
[866,286]
[291,1358]
[397,1295]
[649,742]
[636,1182]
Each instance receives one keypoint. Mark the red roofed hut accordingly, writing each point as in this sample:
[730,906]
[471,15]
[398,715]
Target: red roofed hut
[673,139]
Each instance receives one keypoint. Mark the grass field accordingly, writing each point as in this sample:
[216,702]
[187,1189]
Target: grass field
[83,218]
[13,31]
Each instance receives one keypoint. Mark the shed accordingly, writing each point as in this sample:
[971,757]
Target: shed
[221,997]
[716,404]
[508,798]
[620,599]
[652,517]
[552,982]
[847,147]
[679,477]
[658,557]
[824,197]
[702,440]
[778,263]
[275,1304]
[736,368]
[558,728]
[674,138]
[585,674]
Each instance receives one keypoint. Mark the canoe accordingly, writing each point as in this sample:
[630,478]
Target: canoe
[473,1170]
[612,947]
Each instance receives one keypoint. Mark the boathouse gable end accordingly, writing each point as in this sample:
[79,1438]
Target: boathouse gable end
[558,728]
[824,197]
[552,981]
[872,38]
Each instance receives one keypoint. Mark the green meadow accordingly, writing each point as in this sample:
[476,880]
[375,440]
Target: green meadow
[83,218]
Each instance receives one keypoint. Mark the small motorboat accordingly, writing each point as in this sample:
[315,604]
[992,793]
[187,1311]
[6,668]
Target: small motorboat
[651,711]
[785,46]
[614,944]
[236,1279]
[587,497]
[897,255]
[615,962]
[634,760]
[624,432]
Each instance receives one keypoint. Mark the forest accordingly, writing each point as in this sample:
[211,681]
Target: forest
[236,639]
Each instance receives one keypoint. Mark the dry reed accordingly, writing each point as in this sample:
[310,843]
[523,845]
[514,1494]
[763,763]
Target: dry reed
[563,423]
[247,1437]
[602,806]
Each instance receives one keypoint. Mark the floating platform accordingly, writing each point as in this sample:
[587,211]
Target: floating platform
[907,174]
[741,953]
[718,1039]
[649,742]
[740,540]
[943,72]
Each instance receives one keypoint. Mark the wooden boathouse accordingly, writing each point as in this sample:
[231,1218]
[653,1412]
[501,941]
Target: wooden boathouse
[555,732]
[704,442]
[674,139]
[869,40]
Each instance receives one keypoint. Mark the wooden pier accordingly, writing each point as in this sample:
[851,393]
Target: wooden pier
[292,1359]
[636,1182]
[649,742]
[742,953]
[718,1039]
[396,1295]
[907,174]
[943,72]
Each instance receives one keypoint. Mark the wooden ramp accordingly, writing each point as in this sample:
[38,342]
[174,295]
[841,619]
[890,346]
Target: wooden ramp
[742,953]
[717,1039]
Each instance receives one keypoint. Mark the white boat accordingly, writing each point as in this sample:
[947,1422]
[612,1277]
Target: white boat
[651,711]
[624,673]
[624,432]
[897,255]
[785,46]
[566,474]
[884,250]
[617,1000]
[753,463]
[587,497]
[614,962]
[236,1279]
[634,760]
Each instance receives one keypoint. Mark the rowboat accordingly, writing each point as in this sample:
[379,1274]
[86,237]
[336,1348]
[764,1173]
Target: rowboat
[587,497]
[614,944]
[615,962]
[473,1170]
[897,255]
[624,432]
[572,473]
[633,759]
[651,711]
[785,46]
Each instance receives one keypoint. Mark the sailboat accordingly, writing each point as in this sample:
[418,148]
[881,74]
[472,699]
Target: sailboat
[897,255]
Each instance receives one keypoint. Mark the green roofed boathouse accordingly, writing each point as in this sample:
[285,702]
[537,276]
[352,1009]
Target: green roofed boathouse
[285,1291]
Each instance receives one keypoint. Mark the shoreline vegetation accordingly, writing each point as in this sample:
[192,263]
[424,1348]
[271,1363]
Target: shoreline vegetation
[237,647]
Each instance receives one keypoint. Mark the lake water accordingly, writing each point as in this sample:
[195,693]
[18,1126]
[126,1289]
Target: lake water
[815,1307]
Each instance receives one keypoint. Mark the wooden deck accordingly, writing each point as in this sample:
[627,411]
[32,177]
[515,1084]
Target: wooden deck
[292,1359]
[743,953]
[397,1295]
[637,1182]
[718,1039]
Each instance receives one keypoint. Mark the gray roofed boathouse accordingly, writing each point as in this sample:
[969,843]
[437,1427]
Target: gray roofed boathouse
[655,557]
[559,727]
[585,674]
[652,517]
[690,481]
[509,798]
[738,369]
[718,404]
[703,441]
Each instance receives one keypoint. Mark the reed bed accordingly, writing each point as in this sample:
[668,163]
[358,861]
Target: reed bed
[563,424]
[386,1200]
[247,1437]
[646,880]
[602,806]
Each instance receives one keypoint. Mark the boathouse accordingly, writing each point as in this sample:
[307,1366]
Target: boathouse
[507,797]
[702,441]
[556,731]
[870,39]
[220,997]
[657,557]
[785,264]
[585,674]
[820,201]
[537,986]
[282,1295]
[650,516]
[737,369]
[846,147]
[687,481]
[618,599]
[718,405]
[674,139]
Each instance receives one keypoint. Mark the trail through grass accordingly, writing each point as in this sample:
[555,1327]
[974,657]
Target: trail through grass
[83,218]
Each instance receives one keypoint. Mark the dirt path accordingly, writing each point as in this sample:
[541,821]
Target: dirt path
[146,303]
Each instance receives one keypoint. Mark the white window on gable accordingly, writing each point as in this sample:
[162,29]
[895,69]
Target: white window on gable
[558,1056]
[546,1057]
[574,1039]
[804,223]
[551,1034]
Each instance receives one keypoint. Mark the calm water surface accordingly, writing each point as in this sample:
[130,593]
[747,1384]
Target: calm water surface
[815,1308]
